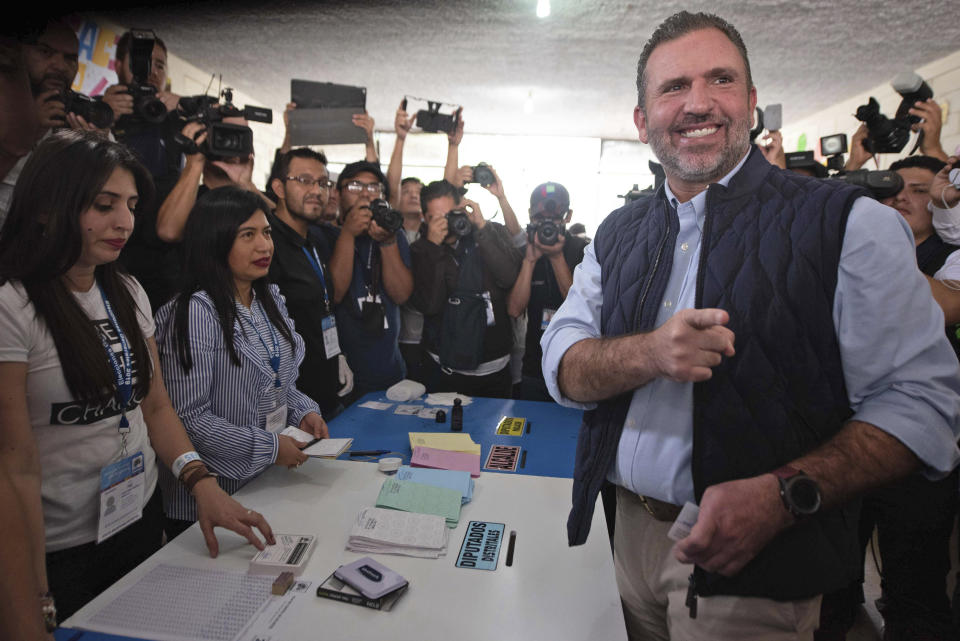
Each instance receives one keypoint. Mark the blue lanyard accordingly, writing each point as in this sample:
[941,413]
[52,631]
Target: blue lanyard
[318,268]
[274,359]
[123,377]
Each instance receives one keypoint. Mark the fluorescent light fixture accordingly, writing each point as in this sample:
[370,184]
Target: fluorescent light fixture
[543,8]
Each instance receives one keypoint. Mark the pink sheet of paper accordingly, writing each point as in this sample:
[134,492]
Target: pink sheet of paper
[445,460]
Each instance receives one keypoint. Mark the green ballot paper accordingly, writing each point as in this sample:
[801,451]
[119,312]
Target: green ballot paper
[423,499]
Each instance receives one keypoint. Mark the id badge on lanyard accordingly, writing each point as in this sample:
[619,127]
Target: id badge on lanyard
[547,317]
[121,495]
[277,419]
[328,324]
[331,342]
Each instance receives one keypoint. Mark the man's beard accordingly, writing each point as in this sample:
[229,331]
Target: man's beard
[695,168]
[38,88]
[312,217]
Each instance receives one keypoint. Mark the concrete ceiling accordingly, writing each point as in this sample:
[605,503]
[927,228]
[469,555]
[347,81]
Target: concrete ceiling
[579,64]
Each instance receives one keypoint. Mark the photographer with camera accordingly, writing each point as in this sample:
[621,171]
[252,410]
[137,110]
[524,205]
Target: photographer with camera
[370,269]
[49,53]
[464,267]
[159,271]
[145,112]
[546,274]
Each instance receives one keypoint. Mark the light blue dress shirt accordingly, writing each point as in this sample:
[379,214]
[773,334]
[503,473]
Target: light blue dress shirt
[901,373]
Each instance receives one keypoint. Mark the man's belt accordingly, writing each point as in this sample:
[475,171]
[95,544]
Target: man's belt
[660,510]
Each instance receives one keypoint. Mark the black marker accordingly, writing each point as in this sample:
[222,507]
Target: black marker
[513,541]
[369,452]
[523,460]
[529,423]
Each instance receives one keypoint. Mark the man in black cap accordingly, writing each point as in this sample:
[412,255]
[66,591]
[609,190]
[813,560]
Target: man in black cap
[545,277]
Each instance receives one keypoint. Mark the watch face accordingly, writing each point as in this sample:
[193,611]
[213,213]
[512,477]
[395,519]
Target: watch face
[803,494]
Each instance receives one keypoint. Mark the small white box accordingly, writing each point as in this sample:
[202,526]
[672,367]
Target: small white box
[289,554]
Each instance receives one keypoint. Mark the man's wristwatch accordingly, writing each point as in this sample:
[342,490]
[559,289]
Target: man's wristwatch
[799,492]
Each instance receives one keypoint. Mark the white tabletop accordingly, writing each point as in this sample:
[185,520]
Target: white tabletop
[552,591]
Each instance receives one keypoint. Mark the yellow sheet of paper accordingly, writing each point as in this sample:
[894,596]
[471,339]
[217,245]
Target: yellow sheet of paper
[457,442]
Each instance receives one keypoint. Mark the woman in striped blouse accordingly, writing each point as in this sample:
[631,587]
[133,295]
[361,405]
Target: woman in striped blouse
[229,352]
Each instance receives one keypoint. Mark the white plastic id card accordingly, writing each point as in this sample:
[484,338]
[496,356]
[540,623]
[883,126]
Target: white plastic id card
[685,521]
[277,419]
[331,342]
[547,316]
[491,321]
[121,495]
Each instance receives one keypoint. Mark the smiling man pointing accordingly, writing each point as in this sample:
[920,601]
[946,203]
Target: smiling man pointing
[750,340]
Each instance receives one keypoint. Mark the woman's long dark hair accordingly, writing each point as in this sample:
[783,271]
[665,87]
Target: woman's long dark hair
[41,239]
[208,238]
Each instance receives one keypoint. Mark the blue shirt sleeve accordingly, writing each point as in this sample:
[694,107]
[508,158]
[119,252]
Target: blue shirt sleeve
[577,319]
[901,373]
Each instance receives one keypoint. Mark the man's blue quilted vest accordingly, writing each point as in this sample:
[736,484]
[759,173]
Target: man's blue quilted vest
[769,257]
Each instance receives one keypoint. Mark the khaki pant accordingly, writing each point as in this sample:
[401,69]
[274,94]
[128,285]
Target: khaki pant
[653,589]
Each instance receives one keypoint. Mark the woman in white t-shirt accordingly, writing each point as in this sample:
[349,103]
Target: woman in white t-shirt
[83,410]
[229,352]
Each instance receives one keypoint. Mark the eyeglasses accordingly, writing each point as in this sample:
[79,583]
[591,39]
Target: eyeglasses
[355,187]
[309,181]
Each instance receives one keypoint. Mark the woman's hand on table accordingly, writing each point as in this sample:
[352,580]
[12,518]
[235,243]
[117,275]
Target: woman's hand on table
[216,508]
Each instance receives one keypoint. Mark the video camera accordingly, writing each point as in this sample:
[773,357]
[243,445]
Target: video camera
[890,135]
[96,112]
[880,184]
[386,216]
[224,140]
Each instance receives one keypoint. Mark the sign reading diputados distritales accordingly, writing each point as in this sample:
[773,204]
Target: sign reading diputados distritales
[481,546]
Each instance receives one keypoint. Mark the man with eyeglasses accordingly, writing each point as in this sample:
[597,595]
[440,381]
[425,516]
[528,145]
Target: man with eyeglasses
[300,268]
[371,279]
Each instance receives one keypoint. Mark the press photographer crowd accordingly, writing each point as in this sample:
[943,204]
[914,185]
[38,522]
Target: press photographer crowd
[131,223]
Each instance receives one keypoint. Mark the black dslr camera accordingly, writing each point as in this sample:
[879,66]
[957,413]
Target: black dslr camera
[458,223]
[432,121]
[386,216]
[483,175]
[224,140]
[146,105]
[97,113]
[548,232]
[890,135]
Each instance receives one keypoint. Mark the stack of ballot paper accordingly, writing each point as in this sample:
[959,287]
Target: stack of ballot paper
[454,442]
[453,479]
[424,499]
[381,531]
[445,460]
[319,447]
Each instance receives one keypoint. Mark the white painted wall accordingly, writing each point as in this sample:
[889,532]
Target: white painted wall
[942,75]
